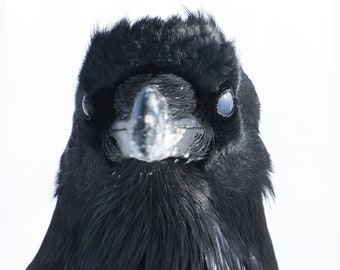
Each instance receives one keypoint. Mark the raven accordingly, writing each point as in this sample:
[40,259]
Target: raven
[165,167]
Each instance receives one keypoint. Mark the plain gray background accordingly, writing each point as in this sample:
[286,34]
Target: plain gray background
[288,48]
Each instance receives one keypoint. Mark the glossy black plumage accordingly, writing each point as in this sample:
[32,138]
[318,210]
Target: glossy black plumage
[200,208]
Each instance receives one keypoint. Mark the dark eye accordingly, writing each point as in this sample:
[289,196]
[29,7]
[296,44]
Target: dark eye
[87,105]
[225,104]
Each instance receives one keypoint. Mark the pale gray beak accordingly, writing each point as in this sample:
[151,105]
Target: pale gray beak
[151,133]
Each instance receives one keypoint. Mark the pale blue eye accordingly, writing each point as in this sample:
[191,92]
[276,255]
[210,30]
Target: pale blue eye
[225,104]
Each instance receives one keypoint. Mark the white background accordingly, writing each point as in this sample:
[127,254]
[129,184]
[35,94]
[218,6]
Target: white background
[288,48]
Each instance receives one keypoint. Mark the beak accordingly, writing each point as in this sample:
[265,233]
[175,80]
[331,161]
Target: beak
[151,133]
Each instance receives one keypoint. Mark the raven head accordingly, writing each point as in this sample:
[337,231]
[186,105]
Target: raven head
[158,90]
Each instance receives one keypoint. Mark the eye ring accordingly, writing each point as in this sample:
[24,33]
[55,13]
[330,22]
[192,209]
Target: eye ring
[88,106]
[225,104]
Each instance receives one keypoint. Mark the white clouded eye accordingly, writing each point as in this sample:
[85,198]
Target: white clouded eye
[225,104]
[87,105]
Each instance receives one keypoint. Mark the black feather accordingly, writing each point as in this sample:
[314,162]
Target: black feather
[202,210]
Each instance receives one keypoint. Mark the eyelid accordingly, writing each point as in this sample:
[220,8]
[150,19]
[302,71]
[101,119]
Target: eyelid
[87,105]
[225,103]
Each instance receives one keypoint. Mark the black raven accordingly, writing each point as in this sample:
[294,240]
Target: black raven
[165,168]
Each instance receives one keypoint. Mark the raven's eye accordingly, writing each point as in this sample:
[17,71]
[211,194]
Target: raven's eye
[225,104]
[88,107]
